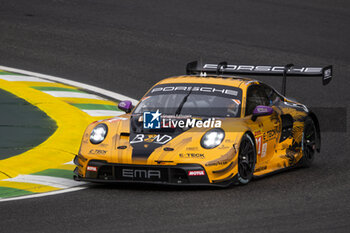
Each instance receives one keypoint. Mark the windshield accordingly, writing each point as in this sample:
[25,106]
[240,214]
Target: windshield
[204,100]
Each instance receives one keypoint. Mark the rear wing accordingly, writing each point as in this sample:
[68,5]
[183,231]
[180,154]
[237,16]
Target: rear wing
[193,68]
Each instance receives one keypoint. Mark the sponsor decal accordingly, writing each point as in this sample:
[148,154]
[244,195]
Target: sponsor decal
[238,102]
[257,132]
[97,152]
[261,168]
[196,173]
[224,159]
[197,89]
[202,89]
[262,147]
[269,135]
[141,173]
[262,110]
[91,168]
[277,69]
[192,148]
[263,150]
[168,149]
[217,163]
[258,145]
[122,104]
[104,145]
[192,155]
[151,138]
[223,147]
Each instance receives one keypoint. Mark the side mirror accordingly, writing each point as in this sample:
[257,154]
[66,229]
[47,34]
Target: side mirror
[261,110]
[125,106]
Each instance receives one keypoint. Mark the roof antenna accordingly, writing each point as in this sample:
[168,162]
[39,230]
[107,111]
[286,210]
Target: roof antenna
[284,81]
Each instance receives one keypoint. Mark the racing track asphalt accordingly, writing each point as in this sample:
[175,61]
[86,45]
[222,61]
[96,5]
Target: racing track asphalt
[126,46]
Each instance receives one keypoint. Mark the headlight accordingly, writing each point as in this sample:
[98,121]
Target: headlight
[98,134]
[212,138]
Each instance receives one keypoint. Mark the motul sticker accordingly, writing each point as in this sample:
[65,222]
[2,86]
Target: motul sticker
[91,168]
[196,173]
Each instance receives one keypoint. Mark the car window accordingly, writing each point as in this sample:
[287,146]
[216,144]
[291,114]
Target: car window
[206,100]
[256,96]
[272,95]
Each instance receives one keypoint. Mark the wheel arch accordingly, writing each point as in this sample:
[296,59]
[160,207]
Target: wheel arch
[254,141]
[246,179]
[313,116]
[252,135]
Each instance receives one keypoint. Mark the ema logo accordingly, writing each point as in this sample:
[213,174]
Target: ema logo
[151,120]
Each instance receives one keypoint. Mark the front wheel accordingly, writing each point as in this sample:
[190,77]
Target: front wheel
[246,159]
[308,143]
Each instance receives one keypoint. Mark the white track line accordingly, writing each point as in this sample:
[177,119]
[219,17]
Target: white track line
[70,163]
[103,112]
[56,182]
[49,78]
[71,94]
[104,92]
[20,78]
[42,194]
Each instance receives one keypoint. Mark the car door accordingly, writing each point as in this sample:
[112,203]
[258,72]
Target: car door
[266,135]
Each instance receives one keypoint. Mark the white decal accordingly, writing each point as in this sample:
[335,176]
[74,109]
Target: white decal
[158,139]
[162,140]
[263,150]
[138,138]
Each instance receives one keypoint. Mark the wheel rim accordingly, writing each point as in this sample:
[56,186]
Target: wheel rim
[309,142]
[246,159]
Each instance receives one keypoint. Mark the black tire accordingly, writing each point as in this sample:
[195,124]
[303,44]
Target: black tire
[308,143]
[246,159]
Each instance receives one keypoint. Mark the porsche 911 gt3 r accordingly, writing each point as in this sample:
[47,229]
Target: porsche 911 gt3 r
[204,128]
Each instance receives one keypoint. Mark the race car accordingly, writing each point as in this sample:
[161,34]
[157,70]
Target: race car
[208,127]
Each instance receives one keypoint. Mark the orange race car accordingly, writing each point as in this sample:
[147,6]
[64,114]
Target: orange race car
[204,128]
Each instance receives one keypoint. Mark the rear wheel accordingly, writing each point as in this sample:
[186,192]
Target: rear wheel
[308,143]
[246,159]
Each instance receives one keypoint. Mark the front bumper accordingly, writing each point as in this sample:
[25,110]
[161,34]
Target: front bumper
[180,174]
